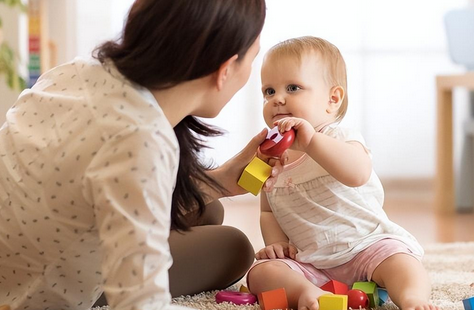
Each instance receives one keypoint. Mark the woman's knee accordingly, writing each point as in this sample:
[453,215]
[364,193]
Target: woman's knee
[208,258]
[238,245]
[214,213]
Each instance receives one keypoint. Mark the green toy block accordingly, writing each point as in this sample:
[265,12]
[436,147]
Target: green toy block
[370,288]
[333,302]
[254,175]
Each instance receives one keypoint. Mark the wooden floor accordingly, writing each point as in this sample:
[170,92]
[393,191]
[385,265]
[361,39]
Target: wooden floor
[408,203]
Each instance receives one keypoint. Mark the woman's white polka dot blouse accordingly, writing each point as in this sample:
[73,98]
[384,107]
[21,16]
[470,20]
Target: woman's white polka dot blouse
[88,164]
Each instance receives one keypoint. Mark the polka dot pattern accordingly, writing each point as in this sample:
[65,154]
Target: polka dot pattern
[88,163]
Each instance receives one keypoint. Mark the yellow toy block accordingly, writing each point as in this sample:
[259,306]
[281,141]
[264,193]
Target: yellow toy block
[254,175]
[333,302]
[243,289]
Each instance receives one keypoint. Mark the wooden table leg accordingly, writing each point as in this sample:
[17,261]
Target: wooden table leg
[444,184]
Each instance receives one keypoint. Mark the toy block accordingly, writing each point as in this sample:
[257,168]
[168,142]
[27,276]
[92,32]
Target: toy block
[244,289]
[254,175]
[383,296]
[335,287]
[274,299]
[370,288]
[5,307]
[333,302]
[468,303]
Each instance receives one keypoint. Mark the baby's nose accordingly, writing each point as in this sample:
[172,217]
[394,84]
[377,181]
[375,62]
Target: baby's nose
[279,100]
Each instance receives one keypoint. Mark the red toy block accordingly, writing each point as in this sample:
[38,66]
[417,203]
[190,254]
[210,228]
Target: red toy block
[335,287]
[274,299]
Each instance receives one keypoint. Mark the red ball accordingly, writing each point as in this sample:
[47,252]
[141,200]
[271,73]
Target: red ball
[356,299]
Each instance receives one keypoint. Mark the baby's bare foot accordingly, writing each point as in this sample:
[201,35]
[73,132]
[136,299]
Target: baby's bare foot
[309,298]
[417,304]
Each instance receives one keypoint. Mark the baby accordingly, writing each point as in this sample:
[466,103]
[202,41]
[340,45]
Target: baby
[324,218]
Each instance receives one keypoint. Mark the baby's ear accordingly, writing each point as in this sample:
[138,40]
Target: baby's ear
[336,96]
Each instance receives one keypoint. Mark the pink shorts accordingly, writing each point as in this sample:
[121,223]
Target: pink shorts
[360,268]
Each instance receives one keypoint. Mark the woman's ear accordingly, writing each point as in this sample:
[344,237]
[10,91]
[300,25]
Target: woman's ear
[222,74]
[336,96]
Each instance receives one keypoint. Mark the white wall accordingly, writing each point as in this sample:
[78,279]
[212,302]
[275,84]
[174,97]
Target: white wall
[393,49]
[78,26]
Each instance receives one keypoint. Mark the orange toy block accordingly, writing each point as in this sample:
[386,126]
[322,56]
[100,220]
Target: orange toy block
[254,175]
[335,287]
[5,307]
[274,299]
[333,302]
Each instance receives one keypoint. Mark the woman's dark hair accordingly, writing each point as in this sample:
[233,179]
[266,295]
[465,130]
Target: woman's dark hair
[167,42]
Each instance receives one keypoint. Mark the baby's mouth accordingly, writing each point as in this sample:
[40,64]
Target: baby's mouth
[279,116]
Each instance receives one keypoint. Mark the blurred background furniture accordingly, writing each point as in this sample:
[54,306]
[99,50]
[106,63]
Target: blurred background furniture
[445,197]
[459,25]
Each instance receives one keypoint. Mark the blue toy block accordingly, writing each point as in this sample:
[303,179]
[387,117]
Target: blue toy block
[383,296]
[468,303]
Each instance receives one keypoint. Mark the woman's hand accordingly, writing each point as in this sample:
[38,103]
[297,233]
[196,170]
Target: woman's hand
[229,173]
[277,250]
[304,131]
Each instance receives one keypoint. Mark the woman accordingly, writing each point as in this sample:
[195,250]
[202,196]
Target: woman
[98,154]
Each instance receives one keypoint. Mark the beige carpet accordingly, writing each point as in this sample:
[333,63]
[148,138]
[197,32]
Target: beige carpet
[450,265]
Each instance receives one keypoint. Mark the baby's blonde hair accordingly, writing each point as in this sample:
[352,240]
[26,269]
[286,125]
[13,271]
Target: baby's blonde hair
[335,71]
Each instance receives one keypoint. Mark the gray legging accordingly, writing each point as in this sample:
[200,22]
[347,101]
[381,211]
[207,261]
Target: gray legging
[208,257]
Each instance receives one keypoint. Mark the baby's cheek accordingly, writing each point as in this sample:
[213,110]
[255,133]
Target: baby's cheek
[267,116]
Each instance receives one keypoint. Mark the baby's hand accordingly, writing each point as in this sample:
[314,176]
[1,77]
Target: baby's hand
[304,131]
[277,250]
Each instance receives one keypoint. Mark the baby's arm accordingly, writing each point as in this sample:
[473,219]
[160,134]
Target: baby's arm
[276,241]
[348,162]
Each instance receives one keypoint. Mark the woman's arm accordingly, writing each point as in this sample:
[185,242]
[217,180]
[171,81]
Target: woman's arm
[229,173]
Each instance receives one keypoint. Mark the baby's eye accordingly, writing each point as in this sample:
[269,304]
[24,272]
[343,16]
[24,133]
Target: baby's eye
[292,88]
[269,92]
